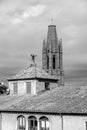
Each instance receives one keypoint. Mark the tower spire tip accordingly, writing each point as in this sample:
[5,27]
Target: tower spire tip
[51,20]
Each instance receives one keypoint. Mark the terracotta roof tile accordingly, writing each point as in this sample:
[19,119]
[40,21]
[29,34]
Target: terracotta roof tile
[59,100]
[32,72]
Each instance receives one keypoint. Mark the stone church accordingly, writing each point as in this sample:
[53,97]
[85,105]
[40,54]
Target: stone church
[52,54]
[36,102]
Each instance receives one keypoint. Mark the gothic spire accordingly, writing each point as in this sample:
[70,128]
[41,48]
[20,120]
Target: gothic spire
[52,39]
[44,55]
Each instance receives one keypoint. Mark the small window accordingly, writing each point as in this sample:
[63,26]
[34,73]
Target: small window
[44,123]
[28,85]
[21,121]
[53,61]
[47,86]
[32,123]
[47,62]
[15,87]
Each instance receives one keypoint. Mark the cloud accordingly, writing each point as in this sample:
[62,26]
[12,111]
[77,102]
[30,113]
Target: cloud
[33,11]
[19,15]
[23,25]
[15,11]
[16,21]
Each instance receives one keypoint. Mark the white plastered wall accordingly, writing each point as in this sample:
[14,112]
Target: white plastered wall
[33,87]
[10,85]
[22,89]
[9,121]
[74,122]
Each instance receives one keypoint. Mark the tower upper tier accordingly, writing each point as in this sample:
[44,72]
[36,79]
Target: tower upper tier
[52,39]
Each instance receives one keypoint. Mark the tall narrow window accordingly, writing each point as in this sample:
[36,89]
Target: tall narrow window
[47,86]
[47,62]
[28,87]
[21,121]
[32,123]
[54,61]
[44,123]
[15,87]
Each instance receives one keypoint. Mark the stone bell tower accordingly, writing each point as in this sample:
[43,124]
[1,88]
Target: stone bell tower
[52,54]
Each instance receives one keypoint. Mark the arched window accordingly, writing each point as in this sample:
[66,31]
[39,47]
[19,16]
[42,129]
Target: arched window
[32,123]
[21,122]
[44,123]
[54,61]
[47,62]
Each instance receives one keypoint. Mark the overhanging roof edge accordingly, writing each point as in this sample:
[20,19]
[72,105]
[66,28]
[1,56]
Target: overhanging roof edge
[41,113]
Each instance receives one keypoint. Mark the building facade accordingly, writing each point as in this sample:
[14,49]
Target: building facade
[14,121]
[62,108]
[31,107]
[31,81]
[52,54]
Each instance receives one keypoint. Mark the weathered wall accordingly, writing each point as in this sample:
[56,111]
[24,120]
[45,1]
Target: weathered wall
[22,88]
[74,122]
[33,87]
[56,123]
[9,122]
[10,84]
[53,85]
[36,86]
[40,86]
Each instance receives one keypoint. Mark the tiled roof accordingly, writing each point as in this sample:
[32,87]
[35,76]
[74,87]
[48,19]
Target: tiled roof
[59,100]
[33,72]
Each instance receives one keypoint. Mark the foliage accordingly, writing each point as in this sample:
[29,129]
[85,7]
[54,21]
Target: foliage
[3,89]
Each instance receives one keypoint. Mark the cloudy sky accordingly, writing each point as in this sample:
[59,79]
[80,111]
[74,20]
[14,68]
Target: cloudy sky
[24,24]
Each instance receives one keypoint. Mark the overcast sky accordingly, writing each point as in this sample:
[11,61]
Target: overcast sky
[24,24]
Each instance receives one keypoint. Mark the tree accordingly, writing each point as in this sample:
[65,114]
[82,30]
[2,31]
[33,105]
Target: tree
[3,89]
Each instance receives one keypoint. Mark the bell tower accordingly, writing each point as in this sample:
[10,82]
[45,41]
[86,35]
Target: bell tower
[52,54]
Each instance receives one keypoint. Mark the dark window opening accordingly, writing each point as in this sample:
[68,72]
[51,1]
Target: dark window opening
[54,62]
[47,62]
[47,71]
[47,86]
[32,123]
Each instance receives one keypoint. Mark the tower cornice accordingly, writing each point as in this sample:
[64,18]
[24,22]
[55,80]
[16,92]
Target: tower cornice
[52,25]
